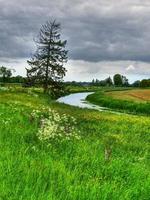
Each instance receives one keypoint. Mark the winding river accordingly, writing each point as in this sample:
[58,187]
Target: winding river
[79,100]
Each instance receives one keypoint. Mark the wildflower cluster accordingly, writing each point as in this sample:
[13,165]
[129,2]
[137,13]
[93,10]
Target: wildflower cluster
[36,114]
[58,127]
[4,88]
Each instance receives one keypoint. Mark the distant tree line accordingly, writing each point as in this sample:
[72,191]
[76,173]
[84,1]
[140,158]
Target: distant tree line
[6,76]
[121,81]
[118,80]
[106,82]
[144,83]
[13,79]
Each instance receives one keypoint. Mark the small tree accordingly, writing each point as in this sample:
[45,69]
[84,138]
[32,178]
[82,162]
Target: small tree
[47,62]
[109,81]
[93,81]
[136,83]
[125,81]
[5,73]
[118,80]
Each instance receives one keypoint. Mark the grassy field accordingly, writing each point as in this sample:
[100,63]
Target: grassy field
[109,161]
[129,101]
[138,95]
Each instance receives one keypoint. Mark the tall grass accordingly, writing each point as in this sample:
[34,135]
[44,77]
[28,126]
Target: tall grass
[75,169]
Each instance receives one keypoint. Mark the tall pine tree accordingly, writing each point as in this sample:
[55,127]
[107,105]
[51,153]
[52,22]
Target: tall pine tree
[47,62]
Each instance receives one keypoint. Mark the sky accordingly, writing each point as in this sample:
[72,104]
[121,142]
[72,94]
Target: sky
[104,37]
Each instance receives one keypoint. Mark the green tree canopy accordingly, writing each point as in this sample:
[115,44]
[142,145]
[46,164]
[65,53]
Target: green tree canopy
[118,80]
[5,73]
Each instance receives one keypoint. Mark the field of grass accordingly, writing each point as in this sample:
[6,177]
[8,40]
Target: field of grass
[122,101]
[110,161]
[138,95]
[74,89]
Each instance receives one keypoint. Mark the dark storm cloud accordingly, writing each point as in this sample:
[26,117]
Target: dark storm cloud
[96,30]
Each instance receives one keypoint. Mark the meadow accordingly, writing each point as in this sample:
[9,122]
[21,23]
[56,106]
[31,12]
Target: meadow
[133,101]
[138,95]
[108,160]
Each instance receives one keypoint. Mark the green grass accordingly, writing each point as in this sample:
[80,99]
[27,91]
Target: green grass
[31,170]
[130,106]
[74,89]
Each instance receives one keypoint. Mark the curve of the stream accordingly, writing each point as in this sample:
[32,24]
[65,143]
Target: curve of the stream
[79,100]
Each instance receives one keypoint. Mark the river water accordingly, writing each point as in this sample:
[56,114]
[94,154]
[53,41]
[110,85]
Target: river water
[78,99]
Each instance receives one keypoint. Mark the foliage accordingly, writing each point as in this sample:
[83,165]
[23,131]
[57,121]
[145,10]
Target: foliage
[125,82]
[17,79]
[118,80]
[106,82]
[109,81]
[47,63]
[145,83]
[5,74]
[136,83]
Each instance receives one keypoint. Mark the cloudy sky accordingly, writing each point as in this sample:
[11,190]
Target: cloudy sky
[104,36]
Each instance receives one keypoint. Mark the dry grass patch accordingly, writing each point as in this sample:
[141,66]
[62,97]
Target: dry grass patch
[139,95]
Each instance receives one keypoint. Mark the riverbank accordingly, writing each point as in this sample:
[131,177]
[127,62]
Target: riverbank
[79,100]
[101,98]
[76,169]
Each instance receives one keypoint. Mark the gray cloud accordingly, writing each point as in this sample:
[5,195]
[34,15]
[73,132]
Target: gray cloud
[87,71]
[96,30]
